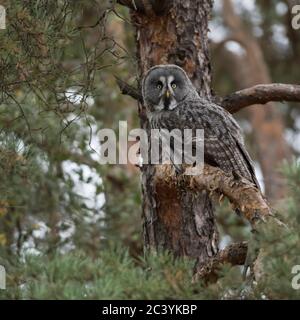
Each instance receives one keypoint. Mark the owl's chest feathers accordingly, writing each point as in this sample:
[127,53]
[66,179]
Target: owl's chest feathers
[214,120]
[182,117]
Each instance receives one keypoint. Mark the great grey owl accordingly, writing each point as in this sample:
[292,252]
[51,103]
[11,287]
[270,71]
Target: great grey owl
[172,102]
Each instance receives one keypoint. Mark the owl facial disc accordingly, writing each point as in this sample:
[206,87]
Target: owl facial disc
[164,87]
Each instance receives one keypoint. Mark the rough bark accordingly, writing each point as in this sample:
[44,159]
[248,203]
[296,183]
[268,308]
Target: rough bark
[267,122]
[174,218]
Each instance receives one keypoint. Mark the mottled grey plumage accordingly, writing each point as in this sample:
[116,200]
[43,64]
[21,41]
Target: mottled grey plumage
[183,108]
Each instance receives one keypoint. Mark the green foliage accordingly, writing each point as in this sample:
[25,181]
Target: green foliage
[113,275]
[281,246]
[57,66]
[279,252]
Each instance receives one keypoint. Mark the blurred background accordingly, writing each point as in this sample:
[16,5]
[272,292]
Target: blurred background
[58,62]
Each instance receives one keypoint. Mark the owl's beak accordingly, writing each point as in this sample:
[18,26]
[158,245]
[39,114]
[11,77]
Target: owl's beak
[168,94]
[167,99]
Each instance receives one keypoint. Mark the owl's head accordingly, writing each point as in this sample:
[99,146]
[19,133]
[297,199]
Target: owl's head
[164,87]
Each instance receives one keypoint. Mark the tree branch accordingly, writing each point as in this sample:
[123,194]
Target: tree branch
[242,193]
[234,102]
[234,254]
[261,94]
[129,90]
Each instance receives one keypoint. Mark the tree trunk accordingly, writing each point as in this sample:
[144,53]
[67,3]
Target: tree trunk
[175,32]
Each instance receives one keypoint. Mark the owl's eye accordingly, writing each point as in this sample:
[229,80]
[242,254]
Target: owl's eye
[159,86]
[174,85]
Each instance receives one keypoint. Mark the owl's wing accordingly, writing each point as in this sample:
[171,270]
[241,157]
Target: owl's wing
[248,161]
[223,143]
[229,154]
